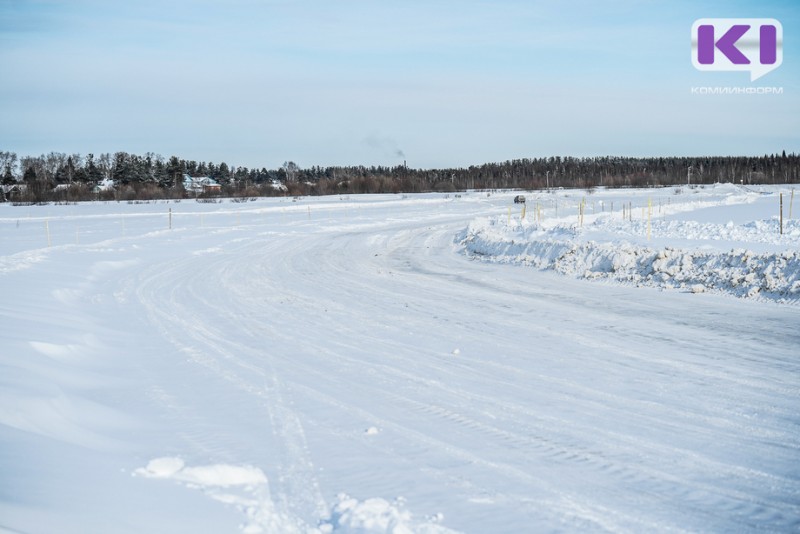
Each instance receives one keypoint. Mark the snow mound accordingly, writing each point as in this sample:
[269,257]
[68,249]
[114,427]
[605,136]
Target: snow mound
[247,489]
[565,249]
[220,475]
[376,516]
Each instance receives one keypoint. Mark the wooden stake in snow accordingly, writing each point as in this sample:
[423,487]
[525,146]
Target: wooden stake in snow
[47,231]
[170,218]
[781,197]
[791,203]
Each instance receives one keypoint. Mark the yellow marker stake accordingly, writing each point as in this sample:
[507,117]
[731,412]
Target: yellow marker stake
[523,211]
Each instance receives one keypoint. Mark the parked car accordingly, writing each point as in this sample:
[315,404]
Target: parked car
[519,199]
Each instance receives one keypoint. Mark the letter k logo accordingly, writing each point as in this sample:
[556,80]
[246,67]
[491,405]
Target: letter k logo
[751,45]
[726,44]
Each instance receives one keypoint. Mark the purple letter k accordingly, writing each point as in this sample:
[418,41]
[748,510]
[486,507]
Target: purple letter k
[726,44]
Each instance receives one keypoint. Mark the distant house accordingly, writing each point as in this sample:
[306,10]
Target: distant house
[12,191]
[277,186]
[200,184]
[103,185]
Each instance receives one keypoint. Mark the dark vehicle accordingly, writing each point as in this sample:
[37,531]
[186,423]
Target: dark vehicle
[519,199]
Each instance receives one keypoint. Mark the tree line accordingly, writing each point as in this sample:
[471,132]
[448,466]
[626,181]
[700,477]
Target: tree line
[124,176]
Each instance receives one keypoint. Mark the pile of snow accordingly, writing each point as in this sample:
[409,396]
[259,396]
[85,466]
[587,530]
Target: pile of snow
[373,516]
[247,488]
[569,249]
[208,475]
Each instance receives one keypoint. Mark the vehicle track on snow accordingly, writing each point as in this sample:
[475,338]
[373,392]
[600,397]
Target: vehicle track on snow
[305,319]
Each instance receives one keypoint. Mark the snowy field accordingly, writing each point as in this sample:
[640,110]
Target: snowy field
[389,363]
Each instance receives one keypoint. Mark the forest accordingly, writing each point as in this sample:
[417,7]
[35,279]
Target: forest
[122,176]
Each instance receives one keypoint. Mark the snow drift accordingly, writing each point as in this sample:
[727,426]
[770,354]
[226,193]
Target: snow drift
[569,249]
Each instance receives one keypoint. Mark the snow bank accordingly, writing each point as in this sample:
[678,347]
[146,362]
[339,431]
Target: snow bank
[565,249]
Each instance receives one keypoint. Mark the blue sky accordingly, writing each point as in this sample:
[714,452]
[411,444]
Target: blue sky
[437,82]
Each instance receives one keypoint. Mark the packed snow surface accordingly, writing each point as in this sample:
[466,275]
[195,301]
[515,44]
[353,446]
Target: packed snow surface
[595,361]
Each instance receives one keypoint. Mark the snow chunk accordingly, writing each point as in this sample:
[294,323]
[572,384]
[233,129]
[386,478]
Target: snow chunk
[376,516]
[221,475]
[161,468]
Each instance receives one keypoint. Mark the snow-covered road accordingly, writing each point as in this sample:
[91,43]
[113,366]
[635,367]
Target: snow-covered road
[248,375]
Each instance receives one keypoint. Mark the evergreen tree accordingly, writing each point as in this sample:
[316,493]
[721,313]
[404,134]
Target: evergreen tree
[175,171]
[92,172]
[8,178]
